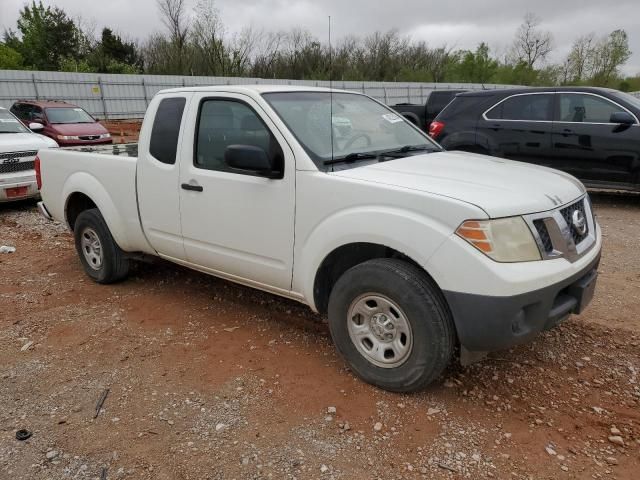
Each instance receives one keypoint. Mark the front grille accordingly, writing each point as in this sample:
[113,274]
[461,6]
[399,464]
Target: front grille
[89,137]
[16,167]
[5,156]
[545,239]
[567,214]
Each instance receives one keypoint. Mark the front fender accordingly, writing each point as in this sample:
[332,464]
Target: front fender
[87,184]
[410,233]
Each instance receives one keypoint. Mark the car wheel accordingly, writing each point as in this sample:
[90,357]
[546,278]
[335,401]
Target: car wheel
[391,324]
[101,257]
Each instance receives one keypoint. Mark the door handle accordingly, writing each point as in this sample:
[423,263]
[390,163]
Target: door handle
[193,188]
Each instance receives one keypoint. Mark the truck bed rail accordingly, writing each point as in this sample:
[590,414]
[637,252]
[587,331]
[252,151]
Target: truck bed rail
[123,149]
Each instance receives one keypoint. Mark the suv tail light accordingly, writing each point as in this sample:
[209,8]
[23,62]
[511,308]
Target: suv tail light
[435,129]
[38,174]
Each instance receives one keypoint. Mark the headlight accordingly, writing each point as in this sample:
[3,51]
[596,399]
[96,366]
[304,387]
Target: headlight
[503,239]
[68,137]
[105,135]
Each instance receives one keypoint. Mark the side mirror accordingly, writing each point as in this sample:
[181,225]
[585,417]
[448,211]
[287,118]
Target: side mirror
[251,160]
[36,127]
[622,118]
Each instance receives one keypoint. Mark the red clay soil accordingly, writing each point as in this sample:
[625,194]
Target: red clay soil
[210,380]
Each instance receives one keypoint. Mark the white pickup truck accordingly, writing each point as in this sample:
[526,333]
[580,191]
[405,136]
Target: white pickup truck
[18,148]
[332,199]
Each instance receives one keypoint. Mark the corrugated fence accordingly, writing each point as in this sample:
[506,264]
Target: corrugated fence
[127,96]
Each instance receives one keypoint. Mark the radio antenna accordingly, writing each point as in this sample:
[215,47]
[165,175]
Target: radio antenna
[331,91]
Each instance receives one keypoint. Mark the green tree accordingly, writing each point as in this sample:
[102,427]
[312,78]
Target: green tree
[46,36]
[10,59]
[478,66]
[69,64]
[611,53]
[114,55]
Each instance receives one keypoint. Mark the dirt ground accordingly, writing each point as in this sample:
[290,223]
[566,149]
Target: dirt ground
[210,380]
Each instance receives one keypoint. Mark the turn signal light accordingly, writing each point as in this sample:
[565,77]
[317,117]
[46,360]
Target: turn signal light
[476,234]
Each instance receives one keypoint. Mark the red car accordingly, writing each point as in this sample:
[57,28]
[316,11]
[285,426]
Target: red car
[67,124]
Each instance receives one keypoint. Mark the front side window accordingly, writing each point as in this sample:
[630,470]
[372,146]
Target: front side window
[67,115]
[531,107]
[9,123]
[166,129]
[580,108]
[358,126]
[19,110]
[227,122]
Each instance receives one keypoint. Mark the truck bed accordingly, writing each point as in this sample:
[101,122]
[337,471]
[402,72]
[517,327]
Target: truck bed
[105,174]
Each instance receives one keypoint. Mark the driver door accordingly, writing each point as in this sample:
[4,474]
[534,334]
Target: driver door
[236,224]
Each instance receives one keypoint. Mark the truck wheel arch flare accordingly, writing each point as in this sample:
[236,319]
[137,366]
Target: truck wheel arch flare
[323,241]
[89,186]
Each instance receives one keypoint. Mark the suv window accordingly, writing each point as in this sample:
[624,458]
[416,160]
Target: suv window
[36,114]
[166,130]
[577,107]
[532,107]
[228,122]
[21,110]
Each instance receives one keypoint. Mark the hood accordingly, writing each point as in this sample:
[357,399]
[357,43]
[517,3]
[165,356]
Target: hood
[78,128]
[502,188]
[20,142]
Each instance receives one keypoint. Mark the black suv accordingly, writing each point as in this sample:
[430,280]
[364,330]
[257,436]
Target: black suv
[591,133]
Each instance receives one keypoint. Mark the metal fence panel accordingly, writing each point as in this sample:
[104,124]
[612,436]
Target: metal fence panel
[113,96]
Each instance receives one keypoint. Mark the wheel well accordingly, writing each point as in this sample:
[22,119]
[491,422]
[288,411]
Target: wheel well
[76,204]
[341,260]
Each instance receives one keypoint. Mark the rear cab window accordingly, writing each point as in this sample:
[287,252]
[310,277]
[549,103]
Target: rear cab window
[163,145]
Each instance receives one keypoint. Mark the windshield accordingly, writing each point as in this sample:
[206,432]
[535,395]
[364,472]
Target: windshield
[634,101]
[361,126]
[9,123]
[68,115]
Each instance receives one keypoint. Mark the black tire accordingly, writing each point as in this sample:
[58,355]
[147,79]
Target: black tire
[420,301]
[114,265]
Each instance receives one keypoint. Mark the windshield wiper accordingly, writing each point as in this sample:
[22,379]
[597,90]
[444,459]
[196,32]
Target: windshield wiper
[407,149]
[352,157]
[380,156]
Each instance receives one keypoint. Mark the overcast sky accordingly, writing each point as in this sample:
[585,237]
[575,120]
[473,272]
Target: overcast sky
[458,23]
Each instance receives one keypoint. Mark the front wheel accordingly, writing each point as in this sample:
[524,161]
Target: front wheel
[101,257]
[391,324]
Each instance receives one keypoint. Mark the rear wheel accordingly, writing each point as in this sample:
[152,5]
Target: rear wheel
[390,323]
[99,254]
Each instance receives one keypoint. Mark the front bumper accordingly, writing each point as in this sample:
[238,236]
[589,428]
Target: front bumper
[18,180]
[487,323]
